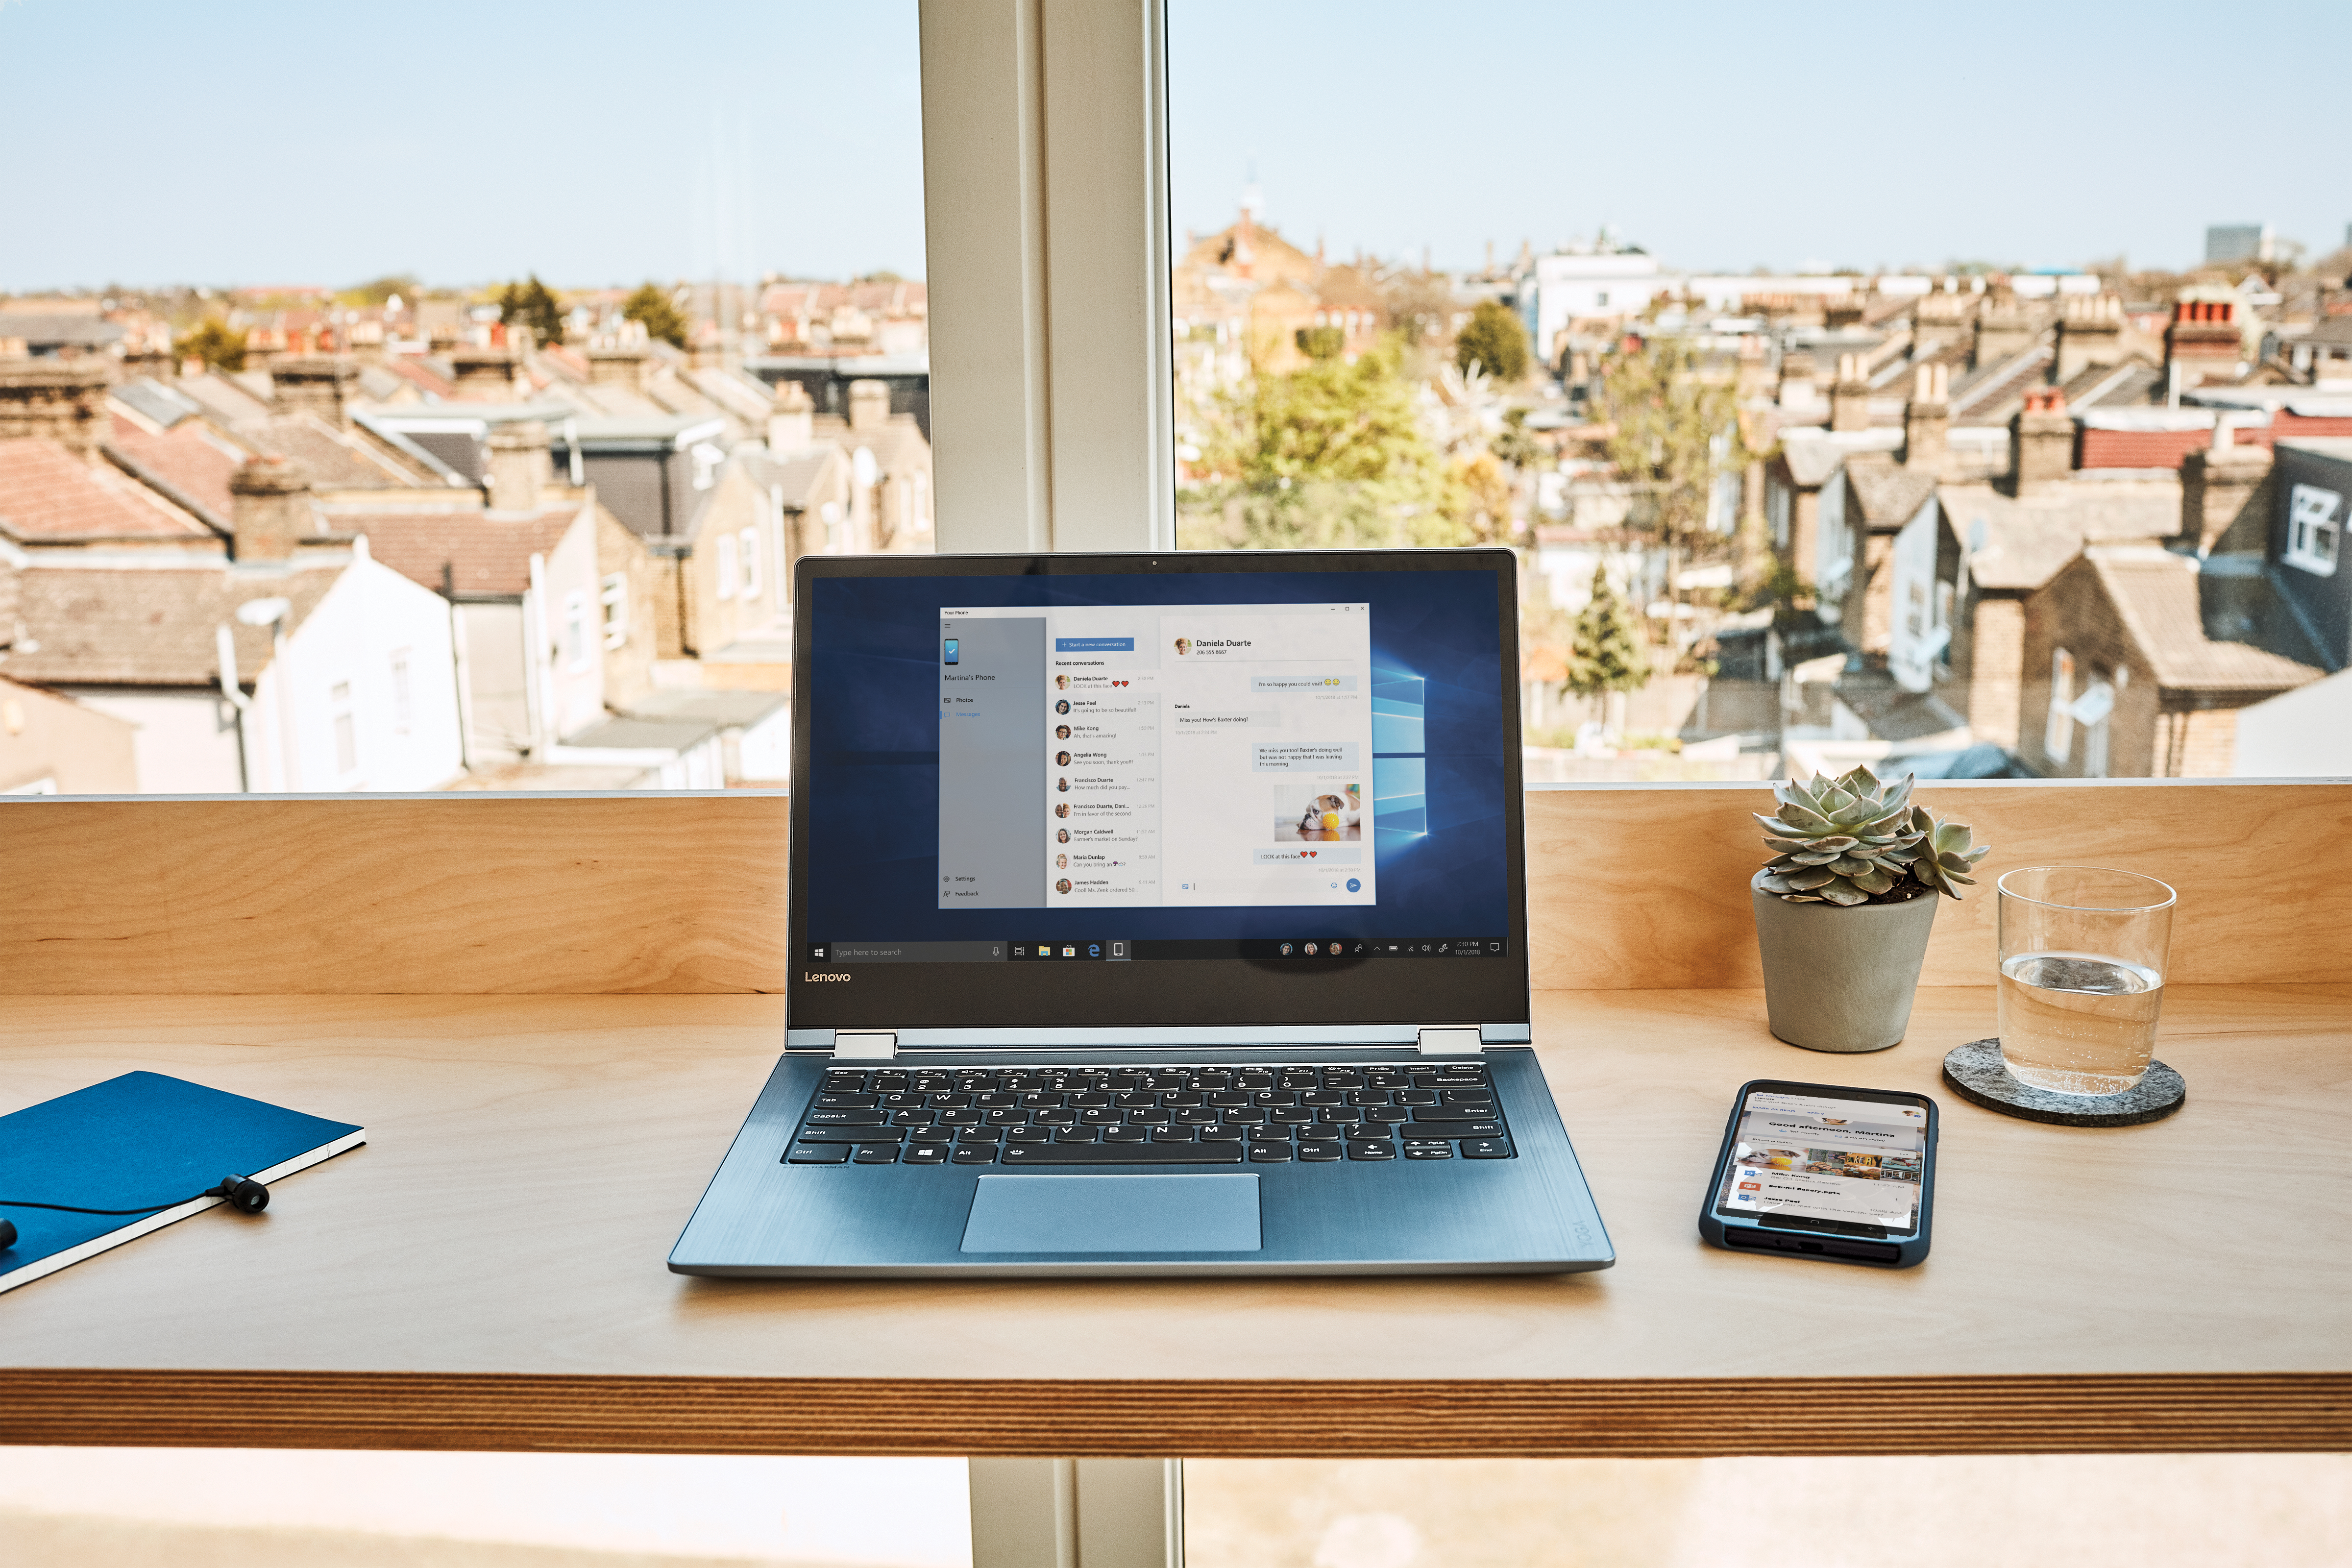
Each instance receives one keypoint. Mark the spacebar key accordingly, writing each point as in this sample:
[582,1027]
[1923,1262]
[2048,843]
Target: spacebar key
[1122,1155]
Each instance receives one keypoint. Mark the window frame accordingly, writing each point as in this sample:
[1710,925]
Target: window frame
[2308,523]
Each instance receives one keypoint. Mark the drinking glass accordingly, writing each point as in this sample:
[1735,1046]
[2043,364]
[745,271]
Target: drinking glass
[2082,955]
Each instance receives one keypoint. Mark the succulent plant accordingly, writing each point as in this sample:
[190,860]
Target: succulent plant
[1854,840]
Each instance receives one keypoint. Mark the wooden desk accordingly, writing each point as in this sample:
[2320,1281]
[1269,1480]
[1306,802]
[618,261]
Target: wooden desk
[486,1273]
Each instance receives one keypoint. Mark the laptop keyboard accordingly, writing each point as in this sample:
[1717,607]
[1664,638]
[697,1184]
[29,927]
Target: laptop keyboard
[1077,1118]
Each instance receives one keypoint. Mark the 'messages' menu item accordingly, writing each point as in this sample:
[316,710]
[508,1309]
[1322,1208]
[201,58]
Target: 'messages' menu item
[1111,755]
[1853,1161]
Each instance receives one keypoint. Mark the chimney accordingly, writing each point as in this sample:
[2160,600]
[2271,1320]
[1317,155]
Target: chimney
[790,420]
[624,367]
[1753,379]
[2003,327]
[314,384]
[1850,397]
[1796,389]
[1939,318]
[1927,419]
[2202,343]
[518,465]
[2041,441]
[270,508]
[2225,496]
[483,375]
[62,400]
[2090,335]
[869,404]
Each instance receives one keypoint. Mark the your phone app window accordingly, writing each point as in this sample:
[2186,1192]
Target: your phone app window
[1851,1160]
[1108,756]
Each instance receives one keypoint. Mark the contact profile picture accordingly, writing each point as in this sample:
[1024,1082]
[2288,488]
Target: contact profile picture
[1061,683]
[1061,835]
[1061,862]
[1062,810]
[1061,732]
[1062,886]
[1061,759]
[1184,647]
[1062,706]
[1061,785]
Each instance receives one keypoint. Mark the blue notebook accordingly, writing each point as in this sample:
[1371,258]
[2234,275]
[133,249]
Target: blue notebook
[139,1139]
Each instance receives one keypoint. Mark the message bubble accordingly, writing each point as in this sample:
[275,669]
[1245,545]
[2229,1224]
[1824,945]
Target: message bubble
[1304,756]
[1200,719]
[1312,855]
[1302,683]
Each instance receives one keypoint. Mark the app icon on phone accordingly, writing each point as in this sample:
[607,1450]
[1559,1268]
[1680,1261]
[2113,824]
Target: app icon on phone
[949,656]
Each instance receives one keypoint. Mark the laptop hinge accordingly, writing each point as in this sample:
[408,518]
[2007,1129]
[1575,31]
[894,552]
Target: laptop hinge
[865,1047]
[1462,1040]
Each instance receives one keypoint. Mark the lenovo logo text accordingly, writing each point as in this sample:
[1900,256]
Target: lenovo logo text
[806,975]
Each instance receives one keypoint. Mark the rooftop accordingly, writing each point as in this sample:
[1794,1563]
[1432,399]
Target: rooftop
[156,628]
[2156,593]
[47,494]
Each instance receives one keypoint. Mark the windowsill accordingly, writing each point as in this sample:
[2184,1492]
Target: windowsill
[532,1159]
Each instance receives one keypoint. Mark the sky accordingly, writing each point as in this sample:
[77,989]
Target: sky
[150,141]
[248,142]
[1723,136]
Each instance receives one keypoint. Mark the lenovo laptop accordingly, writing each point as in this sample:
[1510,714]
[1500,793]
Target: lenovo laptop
[1154,914]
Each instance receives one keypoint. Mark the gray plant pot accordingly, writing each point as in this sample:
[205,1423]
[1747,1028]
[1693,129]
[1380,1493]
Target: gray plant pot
[1841,979]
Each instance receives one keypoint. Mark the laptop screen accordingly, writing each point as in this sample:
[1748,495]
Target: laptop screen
[1056,791]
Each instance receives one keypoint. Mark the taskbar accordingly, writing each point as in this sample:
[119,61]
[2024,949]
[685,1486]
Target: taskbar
[1299,951]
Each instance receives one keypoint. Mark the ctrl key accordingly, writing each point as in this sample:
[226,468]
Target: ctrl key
[818,1155]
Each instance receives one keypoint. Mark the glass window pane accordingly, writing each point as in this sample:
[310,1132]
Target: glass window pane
[489,375]
[1798,482]
[2151,1510]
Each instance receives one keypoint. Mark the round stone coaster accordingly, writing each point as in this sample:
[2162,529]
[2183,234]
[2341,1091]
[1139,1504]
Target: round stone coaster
[1977,1071]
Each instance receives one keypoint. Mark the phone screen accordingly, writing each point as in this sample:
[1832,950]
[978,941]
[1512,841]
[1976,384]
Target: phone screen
[1851,1161]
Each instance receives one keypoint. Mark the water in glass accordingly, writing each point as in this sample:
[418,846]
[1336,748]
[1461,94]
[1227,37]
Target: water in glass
[2078,1023]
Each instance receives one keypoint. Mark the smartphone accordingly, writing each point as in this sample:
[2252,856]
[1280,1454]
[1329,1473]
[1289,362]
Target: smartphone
[1818,1170]
[951,650]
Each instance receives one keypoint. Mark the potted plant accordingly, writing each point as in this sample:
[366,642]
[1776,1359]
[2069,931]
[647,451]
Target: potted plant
[1845,906]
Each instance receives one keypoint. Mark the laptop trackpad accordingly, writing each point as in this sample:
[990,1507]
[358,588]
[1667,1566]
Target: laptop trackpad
[1114,1214]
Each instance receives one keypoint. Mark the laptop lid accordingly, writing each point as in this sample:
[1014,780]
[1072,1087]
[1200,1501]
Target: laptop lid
[1198,798]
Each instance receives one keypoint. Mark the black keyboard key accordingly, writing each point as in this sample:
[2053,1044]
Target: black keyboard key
[1123,1155]
[1333,1115]
[910,1118]
[1125,1134]
[843,1082]
[1245,1116]
[976,1153]
[1450,1129]
[1175,1135]
[850,1134]
[1468,1096]
[847,1101]
[1322,1134]
[1386,1113]
[979,1134]
[1486,1149]
[961,1118]
[1322,1097]
[1223,1134]
[1265,1153]
[877,1155]
[1418,1150]
[1078,1135]
[1416,1096]
[925,1154]
[1454,1112]
[1319,1154]
[1196,1116]
[1151,1118]
[818,1153]
[1028,1135]
[847,1118]
[1365,1149]
[1292,1115]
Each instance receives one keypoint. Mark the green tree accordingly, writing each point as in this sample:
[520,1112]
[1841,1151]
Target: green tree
[651,307]
[212,342]
[1321,343]
[1672,432]
[531,304]
[1329,454]
[1493,338]
[1605,650]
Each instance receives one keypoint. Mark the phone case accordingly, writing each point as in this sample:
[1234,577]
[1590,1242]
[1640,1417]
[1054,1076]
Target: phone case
[1747,1235]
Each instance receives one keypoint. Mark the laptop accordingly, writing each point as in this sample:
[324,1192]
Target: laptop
[1154,915]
